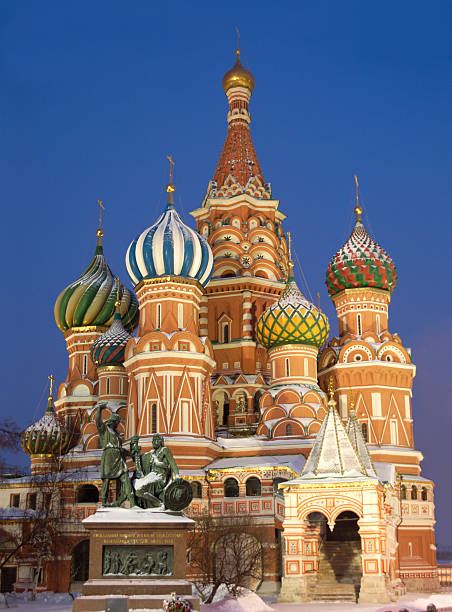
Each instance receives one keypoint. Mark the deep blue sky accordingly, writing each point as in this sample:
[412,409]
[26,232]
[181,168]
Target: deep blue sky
[94,95]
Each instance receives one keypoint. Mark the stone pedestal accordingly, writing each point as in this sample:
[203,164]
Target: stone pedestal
[373,590]
[136,556]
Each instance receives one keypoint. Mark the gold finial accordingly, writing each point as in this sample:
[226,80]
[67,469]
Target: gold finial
[238,40]
[289,241]
[331,388]
[318,299]
[358,209]
[118,286]
[100,232]
[51,378]
[171,164]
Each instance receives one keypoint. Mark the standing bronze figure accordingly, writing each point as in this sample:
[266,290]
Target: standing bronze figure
[113,465]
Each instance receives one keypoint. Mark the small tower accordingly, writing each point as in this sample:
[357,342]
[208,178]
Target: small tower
[108,355]
[84,310]
[47,440]
[292,329]
[169,364]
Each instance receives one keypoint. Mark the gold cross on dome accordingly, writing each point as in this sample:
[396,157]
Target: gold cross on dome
[238,38]
[290,245]
[51,378]
[101,208]
[171,164]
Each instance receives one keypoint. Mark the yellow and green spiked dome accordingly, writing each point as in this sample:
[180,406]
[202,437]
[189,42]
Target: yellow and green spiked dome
[292,320]
[90,300]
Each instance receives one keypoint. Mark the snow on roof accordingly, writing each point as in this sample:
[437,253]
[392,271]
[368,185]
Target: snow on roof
[332,453]
[293,462]
[136,515]
[354,433]
[258,443]
[192,473]
[410,477]
[385,471]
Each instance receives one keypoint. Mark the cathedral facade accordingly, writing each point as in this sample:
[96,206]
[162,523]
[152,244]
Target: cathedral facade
[267,416]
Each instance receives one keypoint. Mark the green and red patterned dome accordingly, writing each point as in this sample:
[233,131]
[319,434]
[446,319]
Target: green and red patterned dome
[90,300]
[360,263]
[292,320]
[109,349]
[49,435]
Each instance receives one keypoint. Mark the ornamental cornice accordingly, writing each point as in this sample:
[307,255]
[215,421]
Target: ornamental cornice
[360,291]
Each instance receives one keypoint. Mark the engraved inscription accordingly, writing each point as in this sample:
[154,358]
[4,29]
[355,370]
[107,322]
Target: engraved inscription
[138,560]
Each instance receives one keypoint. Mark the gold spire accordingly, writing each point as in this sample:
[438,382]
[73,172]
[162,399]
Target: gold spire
[170,187]
[289,241]
[50,398]
[358,209]
[100,231]
[118,300]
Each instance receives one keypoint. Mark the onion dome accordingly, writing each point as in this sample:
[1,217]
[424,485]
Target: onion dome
[238,76]
[169,248]
[292,320]
[48,435]
[90,300]
[360,262]
[109,349]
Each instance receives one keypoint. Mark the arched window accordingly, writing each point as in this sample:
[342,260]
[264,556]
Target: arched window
[413,492]
[403,492]
[424,496]
[365,432]
[87,494]
[253,487]
[231,487]
[276,482]
[225,333]
[154,418]
[256,400]
[289,429]
[197,489]
[359,324]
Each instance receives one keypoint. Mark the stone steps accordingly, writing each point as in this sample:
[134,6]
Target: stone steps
[333,592]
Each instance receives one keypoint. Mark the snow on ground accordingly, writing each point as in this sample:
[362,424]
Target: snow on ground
[249,602]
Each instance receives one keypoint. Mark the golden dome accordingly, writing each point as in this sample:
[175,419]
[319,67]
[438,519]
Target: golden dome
[238,76]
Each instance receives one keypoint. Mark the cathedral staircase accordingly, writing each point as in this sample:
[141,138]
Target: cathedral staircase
[339,572]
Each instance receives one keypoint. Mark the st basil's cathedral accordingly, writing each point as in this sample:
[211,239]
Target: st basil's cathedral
[267,416]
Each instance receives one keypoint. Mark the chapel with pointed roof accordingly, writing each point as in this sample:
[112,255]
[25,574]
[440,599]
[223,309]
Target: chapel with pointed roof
[218,350]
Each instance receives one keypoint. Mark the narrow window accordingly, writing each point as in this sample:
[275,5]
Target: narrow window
[413,492]
[154,418]
[121,386]
[226,333]
[287,368]
[180,316]
[359,324]
[377,320]
[344,325]
[143,317]
[289,429]
[32,501]
[158,322]
[15,501]
[393,433]
[85,364]
[410,549]
[365,432]
[424,494]
[403,492]
[197,490]
[107,386]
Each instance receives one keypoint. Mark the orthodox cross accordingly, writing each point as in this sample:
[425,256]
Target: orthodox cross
[118,301]
[101,208]
[51,378]
[290,245]
[358,209]
[171,164]
[238,38]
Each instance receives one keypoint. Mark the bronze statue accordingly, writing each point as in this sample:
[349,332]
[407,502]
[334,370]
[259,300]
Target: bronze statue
[113,465]
[157,483]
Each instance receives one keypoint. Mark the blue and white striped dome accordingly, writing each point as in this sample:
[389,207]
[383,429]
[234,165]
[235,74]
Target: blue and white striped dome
[169,247]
